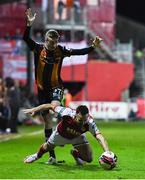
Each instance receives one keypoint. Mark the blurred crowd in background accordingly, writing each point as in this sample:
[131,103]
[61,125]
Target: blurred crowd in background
[13,97]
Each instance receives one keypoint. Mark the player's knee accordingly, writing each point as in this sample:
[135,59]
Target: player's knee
[89,159]
[45,146]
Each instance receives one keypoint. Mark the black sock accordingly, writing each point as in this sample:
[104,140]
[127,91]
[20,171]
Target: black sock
[52,154]
[48,133]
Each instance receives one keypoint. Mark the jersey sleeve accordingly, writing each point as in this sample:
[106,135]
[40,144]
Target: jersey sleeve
[63,111]
[93,127]
[83,51]
[31,43]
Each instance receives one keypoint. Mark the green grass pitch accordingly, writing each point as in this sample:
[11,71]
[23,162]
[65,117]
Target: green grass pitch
[126,139]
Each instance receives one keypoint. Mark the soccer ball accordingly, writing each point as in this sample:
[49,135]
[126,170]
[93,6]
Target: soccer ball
[108,160]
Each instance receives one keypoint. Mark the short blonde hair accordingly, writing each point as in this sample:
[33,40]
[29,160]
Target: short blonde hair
[52,34]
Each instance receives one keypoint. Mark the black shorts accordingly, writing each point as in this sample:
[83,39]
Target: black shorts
[50,95]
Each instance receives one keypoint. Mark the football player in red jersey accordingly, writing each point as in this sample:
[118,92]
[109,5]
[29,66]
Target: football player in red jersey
[48,58]
[70,130]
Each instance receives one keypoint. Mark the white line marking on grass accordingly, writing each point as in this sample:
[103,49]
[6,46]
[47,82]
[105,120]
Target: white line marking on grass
[20,136]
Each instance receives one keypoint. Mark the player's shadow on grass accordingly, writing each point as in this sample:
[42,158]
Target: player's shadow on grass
[67,167]
[71,168]
[87,167]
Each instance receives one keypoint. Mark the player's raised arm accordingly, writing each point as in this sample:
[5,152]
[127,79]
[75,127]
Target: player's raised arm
[43,107]
[30,17]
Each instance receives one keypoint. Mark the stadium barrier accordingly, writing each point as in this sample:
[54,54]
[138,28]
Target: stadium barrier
[107,110]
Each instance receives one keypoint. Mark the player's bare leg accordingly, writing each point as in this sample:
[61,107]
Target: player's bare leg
[42,150]
[76,156]
[85,152]
[82,154]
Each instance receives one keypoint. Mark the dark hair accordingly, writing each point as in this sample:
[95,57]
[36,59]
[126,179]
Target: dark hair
[52,34]
[9,82]
[82,109]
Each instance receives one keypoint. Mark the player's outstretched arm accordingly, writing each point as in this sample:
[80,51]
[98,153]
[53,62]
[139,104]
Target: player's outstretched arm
[102,142]
[96,43]
[30,17]
[43,107]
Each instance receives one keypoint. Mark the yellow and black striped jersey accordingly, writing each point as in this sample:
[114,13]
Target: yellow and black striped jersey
[48,63]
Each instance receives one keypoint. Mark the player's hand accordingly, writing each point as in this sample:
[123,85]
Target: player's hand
[109,152]
[31,111]
[97,42]
[30,17]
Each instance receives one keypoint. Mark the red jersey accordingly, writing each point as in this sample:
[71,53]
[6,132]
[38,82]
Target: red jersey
[69,128]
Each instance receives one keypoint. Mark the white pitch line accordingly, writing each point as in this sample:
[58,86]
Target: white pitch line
[21,135]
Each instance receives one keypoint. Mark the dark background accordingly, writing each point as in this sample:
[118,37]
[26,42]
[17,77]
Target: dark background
[133,9]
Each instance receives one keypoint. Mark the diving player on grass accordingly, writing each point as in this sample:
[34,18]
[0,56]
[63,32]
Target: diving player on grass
[70,130]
